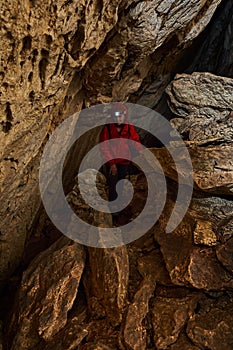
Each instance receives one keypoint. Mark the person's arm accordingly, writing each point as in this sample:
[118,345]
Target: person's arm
[135,137]
[104,149]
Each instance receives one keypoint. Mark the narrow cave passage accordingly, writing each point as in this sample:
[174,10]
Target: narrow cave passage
[160,291]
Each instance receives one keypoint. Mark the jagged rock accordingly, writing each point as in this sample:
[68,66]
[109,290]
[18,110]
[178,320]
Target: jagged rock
[205,271]
[206,129]
[75,330]
[201,94]
[78,204]
[169,315]
[59,58]
[35,77]
[204,233]
[212,167]
[46,294]
[224,254]
[150,266]
[107,281]
[134,330]
[213,218]
[98,346]
[147,26]
[211,326]
[208,119]
[14,229]
[199,267]
[94,234]
[176,246]
[43,47]
[100,336]
[152,269]
[182,343]
[62,57]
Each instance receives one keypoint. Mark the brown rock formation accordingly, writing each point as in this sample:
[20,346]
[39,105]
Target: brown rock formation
[59,57]
[211,327]
[48,289]
[162,291]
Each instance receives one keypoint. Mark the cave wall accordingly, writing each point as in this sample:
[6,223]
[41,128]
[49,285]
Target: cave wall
[60,57]
[63,56]
[163,291]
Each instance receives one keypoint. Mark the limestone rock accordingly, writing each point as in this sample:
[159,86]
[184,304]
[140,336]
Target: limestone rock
[134,331]
[97,346]
[212,166]
[75,330]
[100,336]
[201,94]
[175,247]
[225,254]
[205,271]
[206,103]
[182,343]
[199,266]
[211,326]
[107,281]
[207,129]
[204,233]
[152,266]
[136,328]
[34,80]
[46,294]
[146,28]
[84,209]
[42,48]
[59,58]
[169,316]
[213,216]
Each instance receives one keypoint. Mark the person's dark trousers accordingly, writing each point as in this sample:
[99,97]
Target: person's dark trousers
[122,170]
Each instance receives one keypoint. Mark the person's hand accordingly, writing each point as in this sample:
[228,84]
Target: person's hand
[113,169]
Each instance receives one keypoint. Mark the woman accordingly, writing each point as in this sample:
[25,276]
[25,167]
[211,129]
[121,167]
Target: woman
[120,129]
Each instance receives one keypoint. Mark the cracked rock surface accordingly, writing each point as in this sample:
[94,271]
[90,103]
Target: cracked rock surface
[161,291]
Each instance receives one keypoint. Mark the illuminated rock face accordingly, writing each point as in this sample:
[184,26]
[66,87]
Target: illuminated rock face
[62,56]
[59,58]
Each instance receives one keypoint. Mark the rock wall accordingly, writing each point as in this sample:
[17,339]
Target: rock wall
[163,291]
[60,57]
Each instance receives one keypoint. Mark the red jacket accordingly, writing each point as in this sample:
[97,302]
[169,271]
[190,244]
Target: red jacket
[127,132]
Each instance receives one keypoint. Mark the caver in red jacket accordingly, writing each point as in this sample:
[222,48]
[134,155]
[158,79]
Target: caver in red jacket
[127,132]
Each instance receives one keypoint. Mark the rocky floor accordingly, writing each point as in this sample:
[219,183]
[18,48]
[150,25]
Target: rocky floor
[162,291]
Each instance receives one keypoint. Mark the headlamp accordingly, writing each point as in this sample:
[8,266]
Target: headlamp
[118,114]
